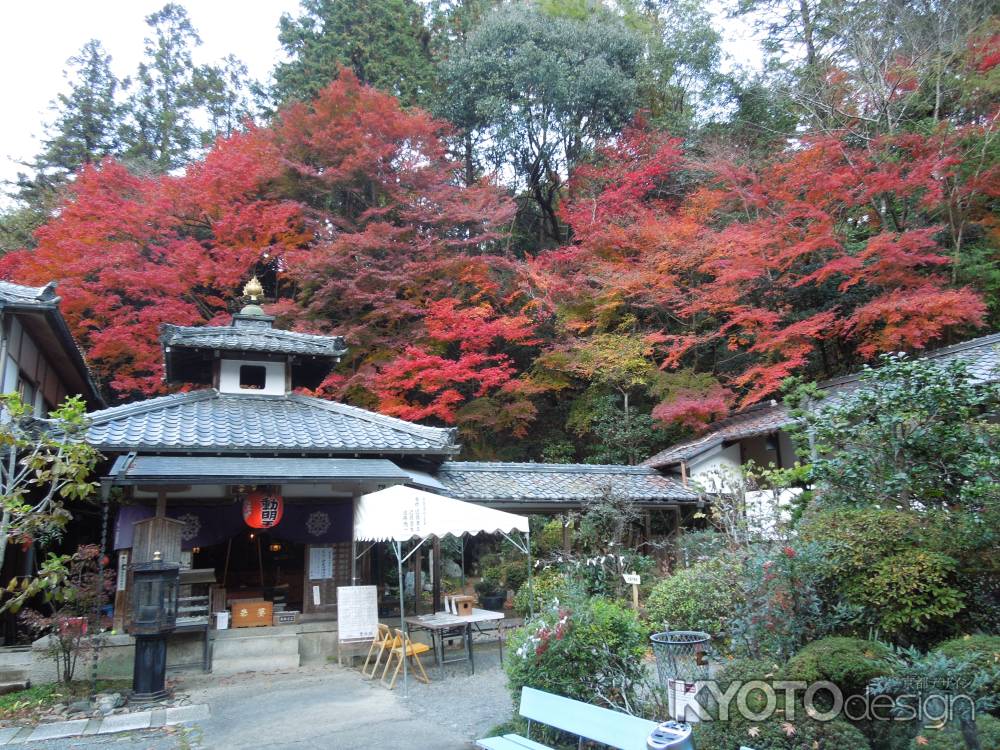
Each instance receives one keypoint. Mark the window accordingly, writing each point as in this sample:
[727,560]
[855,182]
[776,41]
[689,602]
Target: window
[253,377]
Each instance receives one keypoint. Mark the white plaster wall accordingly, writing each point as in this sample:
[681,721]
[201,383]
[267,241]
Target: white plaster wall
[710,472]
[229,377]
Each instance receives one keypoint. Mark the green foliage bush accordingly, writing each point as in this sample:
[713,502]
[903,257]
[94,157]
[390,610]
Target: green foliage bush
[590,650]
[950,738]
[776,734]
[513,573]
[548,585]
[697,598]
[894,568]
[848,663]
[912,591]
[981,651]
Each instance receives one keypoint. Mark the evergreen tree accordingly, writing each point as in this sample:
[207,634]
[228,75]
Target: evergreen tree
[385,43]
[227,93]
[160,129]
[84,131]
[89,115]
[541,90]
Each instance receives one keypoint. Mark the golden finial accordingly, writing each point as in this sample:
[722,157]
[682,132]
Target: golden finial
[253,289]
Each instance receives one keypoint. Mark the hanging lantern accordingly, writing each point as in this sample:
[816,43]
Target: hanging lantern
[262,510]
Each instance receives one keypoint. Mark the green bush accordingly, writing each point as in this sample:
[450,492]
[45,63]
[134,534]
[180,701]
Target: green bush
[701,597]
[777,734]
[980,651]
[849,663]
[513,573]
[911,591]
[950,738]
[548,585]
[590,650]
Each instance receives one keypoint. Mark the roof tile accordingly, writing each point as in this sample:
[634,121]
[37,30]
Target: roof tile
[540,484]
[208,421]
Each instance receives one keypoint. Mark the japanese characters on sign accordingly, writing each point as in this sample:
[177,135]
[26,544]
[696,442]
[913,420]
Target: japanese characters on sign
[262,510]
[415,517]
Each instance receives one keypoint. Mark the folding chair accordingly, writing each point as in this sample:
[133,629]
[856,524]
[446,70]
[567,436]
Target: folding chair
[412,652]
[379,644]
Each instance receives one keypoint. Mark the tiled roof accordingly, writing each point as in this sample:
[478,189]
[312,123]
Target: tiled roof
[139,470]
[251,339]
[18,294]
[982,355]
[209,422]
[554,484]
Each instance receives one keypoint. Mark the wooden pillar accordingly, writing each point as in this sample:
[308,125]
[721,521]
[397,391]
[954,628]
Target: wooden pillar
[566,537]
[436,574]
[161,504]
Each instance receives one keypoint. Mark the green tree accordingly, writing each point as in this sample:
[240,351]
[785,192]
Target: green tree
[680,77]
[85,130]
[160,127]
[912,435]
[541,90]
[227,94]
[42,464]
[385,43]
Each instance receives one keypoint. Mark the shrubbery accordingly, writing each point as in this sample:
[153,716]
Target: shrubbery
[548,586]
[590,650]
[950,738]
[779,734]
[849,663]
[697,598]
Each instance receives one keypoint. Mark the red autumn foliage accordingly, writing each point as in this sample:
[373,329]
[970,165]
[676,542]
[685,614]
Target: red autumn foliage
[830,246]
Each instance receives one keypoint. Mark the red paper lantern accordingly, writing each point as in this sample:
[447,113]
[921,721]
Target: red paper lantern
[263,510]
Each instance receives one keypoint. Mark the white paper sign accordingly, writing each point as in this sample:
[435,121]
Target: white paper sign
[632,578]
[122,570]
[315,596]
[320,563]
[357,612]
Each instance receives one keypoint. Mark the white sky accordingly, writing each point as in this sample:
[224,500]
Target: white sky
[38,36]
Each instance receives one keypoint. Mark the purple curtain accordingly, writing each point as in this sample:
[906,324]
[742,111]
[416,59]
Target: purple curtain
[205,525]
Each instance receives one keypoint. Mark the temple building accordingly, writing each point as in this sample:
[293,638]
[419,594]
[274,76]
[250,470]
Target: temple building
[197,455]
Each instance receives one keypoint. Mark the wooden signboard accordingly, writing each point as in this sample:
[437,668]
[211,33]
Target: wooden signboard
[252,613]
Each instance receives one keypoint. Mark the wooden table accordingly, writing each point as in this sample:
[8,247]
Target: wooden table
[440,623]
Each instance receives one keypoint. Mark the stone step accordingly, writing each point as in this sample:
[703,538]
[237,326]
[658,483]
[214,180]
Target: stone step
[9,674]
[236,665]
[12,686]
[276,645]
[255,652]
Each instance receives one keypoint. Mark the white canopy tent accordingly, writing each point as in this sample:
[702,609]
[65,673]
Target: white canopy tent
[400,514]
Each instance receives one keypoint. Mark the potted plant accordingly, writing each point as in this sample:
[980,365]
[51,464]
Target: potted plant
[491,593]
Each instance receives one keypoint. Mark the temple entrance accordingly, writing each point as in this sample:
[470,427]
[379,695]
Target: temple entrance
[257,565]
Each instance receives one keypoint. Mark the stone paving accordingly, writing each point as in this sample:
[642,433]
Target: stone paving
[57,730]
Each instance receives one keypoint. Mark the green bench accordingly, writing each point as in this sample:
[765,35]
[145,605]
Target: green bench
[603,725]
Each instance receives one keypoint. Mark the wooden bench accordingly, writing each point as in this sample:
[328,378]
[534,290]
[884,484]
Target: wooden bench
[611,728]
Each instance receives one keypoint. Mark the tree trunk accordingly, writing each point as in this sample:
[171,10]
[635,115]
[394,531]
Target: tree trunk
[969,733]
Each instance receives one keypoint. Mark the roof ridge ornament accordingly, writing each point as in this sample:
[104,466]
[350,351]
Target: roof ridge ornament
[255,292]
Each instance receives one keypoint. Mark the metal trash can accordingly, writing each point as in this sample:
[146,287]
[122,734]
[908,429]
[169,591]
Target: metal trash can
[670,735]
[681,661]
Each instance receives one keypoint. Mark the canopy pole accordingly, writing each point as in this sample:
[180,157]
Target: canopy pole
[354,560]
[531,587]
[402,613]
